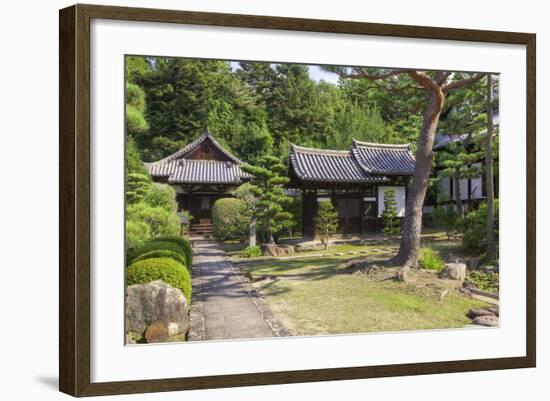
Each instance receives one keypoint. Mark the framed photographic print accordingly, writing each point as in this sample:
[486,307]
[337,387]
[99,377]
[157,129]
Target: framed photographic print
[250,200]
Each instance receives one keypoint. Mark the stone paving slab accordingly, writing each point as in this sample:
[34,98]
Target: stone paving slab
[224,304]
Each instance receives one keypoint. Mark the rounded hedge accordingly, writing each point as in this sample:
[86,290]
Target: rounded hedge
[184,245]
[161,253]
[230,219]
[154,245]
[164,269]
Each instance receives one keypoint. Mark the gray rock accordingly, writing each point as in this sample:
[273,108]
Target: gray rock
[454,271]
[465,291]
[277,250]
[473,313]
[156,301]
[495,309]
[486,320]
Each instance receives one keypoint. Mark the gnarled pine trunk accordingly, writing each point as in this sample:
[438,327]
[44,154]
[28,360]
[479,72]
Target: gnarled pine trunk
[412,224]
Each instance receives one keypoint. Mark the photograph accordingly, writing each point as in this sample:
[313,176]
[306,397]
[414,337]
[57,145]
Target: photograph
[268,199]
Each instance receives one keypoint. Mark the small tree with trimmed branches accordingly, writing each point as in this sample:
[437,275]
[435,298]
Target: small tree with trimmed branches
[267,186]
[326,220]
[389,215]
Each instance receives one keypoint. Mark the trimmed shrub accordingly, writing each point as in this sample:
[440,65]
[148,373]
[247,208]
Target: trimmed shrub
[154,245]
[184,245]
[162,253]
[161,222]
[137,232]
[164,269]
[251,252]
[474,227]
[429,259]
[163,196]
[230,218]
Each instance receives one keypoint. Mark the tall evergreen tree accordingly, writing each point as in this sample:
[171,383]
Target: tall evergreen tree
[267,186]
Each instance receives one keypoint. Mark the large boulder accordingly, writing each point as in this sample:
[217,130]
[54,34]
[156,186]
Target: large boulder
[156,301]
[270,249]
[473,313]
[454,271]
[486,320]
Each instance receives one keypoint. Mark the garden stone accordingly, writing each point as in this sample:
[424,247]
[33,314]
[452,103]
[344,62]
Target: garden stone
[454,271]
[494,309]
[156,332]
[156,301]
[285,249]
[486,320]
[269,249]
[473,313]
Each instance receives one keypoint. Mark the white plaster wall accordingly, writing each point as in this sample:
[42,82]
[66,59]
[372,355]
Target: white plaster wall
[400,197]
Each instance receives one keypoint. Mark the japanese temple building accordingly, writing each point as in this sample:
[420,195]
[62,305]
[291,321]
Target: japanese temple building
[201,173]
[354,180]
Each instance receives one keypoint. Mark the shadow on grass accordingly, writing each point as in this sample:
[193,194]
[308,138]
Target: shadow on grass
[311,269]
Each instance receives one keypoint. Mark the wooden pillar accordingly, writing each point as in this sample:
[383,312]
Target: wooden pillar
[190,205]
[361,211]
[303,213]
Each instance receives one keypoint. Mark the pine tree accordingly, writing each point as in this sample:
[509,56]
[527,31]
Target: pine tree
[389,215]
[458,162]
[267,186]
[326,220]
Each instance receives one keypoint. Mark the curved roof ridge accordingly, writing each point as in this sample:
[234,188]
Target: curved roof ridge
[317,151]
[182,152]
[398,146]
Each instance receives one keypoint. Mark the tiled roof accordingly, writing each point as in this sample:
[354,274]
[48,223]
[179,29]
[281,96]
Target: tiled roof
[208,172]
[319,165]
[384,159]
[176,169]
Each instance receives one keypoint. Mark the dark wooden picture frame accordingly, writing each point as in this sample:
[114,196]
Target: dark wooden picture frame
[74,203]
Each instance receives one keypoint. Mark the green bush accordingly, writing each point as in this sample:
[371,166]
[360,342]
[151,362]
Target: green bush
[154,245]
[251,252]
[161,222]
[446,218]
[137,232]
[138,186]
[161,253]
[184,245]
[474,227]
[164,269]
[163,196]
[230,218]
[429,259]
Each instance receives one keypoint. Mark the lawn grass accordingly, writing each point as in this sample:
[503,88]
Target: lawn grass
[353,304]
[319,296]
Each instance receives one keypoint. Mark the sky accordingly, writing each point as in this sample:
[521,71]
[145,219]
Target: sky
[315,72]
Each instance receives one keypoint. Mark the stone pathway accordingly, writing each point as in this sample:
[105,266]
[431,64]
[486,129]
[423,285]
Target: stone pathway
[224,304]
